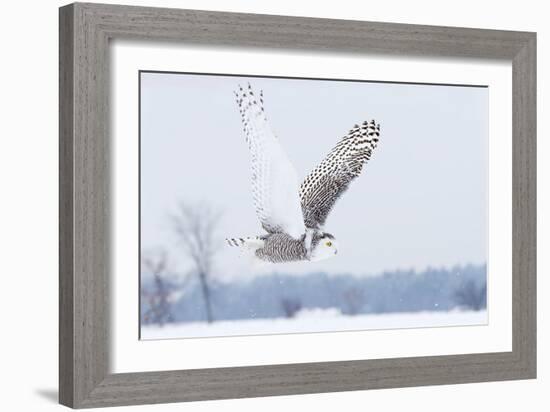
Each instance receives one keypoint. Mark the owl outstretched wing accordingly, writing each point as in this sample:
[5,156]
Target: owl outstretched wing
[275,186]
[325,184]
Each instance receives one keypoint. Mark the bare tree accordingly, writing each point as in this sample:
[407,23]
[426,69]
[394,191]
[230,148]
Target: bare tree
[472,295]
[195,227]
[158,309]
[354,300]
[291,307]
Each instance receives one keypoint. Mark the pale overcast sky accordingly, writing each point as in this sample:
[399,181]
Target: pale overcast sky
[421,200]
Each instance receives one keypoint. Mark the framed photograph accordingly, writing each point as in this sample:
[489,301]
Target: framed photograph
[257,205]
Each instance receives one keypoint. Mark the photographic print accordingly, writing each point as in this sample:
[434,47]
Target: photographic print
[273,205]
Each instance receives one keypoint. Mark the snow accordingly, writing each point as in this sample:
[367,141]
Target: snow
[314,320]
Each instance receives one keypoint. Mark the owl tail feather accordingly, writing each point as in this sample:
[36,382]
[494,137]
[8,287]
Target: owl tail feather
[248,247]
[249,243]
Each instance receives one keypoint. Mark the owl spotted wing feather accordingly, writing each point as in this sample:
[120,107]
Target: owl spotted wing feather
[325,184]
[275,184]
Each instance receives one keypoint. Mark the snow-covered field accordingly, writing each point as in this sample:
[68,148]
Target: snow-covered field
[316,320]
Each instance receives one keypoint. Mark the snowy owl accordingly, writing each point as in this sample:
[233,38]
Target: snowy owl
[293,216]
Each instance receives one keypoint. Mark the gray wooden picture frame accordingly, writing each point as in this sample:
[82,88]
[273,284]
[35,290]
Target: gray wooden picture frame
[85,32]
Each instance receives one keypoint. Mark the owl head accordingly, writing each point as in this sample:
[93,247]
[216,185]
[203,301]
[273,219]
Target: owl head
[324,246]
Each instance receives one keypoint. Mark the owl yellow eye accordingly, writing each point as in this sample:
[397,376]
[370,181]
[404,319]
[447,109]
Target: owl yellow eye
[329,244]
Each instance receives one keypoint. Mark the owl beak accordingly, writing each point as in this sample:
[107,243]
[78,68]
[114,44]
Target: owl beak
[335,251]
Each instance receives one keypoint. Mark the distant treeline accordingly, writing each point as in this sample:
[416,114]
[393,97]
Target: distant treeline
[283,295]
